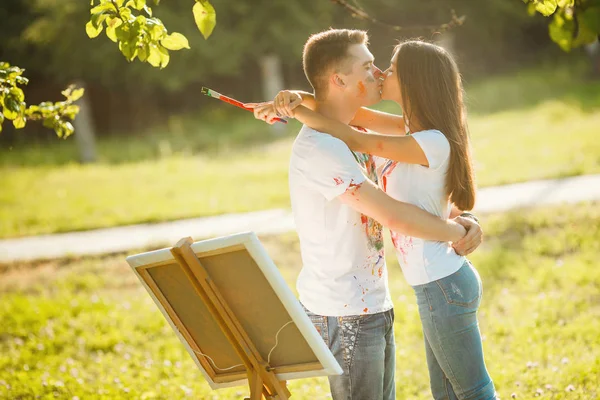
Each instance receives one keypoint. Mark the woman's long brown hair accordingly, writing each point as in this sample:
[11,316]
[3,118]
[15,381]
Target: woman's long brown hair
[432,95]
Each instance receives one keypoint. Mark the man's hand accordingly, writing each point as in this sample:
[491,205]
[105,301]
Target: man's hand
[285,102]
[472,239]
[264,111]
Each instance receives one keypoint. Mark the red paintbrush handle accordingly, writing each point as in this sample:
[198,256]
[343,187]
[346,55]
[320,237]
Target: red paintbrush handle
[241,105]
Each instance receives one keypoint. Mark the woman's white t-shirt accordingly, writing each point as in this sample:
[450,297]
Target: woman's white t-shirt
[422,261]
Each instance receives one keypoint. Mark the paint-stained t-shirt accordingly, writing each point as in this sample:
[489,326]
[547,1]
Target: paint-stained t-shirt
[343,264]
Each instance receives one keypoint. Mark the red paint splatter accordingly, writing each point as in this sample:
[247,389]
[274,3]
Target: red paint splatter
[384,180]
[362,91]
[338,181]
[380,272]
[366,310]
[364,219]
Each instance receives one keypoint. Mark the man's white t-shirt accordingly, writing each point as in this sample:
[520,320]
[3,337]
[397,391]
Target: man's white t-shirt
[343,264]
[422,261]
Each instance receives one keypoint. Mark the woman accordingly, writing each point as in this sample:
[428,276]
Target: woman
[429,166]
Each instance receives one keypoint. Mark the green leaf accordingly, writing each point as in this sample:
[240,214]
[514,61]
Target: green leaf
[154,55]
[128,49]
[156,28]
[143,52]
[561,31]
[164,57]
[175,41]
[68,129]
[106,6]
[111,26]
[97,19]
[123,32]
[93,31]
[19,122]
[126,14]
[205,17]
[137,4]
[17,94]
[77,94]
[546,7]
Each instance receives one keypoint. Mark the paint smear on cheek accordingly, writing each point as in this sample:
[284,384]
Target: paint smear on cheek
[380,145]
[362,91]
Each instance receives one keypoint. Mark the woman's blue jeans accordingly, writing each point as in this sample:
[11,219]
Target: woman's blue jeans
[448,311]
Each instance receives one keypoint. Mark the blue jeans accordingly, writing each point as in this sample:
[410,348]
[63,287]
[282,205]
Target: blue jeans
[364,347]
[448,311]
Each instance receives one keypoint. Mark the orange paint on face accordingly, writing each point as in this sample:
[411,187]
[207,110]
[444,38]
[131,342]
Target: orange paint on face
[362,90]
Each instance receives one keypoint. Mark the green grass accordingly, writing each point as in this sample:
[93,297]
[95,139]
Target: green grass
[534,124]
[85,327]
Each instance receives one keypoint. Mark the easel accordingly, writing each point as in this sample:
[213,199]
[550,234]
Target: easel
[261,377]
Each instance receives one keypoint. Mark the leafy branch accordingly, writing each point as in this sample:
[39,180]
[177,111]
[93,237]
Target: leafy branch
[574,22]
[358,12]
[141,35]
[56,116]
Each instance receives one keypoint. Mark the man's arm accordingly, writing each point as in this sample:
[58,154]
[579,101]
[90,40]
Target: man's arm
[406,218]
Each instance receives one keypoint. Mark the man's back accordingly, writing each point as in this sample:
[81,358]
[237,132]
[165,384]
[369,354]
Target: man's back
[344,271]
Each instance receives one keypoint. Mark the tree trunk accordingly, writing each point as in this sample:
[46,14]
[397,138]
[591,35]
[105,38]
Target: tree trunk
[84,130]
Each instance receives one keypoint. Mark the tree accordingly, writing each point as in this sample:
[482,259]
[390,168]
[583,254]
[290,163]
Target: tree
[56,116]
[574,22]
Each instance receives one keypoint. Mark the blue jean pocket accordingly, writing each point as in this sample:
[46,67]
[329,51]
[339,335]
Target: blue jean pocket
[320,324]
[462,288]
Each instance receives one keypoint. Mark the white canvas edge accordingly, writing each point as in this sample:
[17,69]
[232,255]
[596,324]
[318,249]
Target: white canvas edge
[289,301]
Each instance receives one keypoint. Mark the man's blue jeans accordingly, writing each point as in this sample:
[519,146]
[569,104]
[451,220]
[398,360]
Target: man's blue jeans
[448,310]
[364,347]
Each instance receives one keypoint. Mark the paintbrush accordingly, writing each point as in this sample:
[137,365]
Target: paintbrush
[217,95]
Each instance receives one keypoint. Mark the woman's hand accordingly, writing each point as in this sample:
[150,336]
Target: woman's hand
[285,102]
[264,111]
[471,240]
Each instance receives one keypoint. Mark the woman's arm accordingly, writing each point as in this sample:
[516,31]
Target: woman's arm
[378,121]
[398,148]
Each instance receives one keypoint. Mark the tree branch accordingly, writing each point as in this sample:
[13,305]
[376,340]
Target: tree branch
[357,12]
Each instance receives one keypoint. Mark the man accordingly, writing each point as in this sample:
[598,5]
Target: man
[338,213]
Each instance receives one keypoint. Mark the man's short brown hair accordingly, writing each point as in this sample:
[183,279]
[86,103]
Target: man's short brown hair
[326,52]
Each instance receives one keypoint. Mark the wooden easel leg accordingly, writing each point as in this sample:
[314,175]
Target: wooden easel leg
[256,386]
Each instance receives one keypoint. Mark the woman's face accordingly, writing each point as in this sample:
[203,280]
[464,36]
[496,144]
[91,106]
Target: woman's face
[391,84]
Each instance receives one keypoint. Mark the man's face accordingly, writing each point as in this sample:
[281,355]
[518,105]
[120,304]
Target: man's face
[362,82]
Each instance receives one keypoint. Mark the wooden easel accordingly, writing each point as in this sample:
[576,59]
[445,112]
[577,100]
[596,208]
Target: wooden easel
[261,377]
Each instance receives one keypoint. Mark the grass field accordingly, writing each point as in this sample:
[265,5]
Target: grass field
[84,328]
[540,123]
